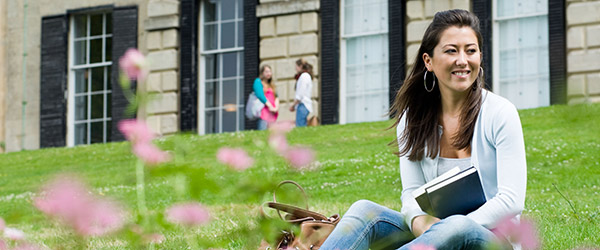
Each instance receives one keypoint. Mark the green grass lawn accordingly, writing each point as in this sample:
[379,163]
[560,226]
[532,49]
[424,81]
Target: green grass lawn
[353,162]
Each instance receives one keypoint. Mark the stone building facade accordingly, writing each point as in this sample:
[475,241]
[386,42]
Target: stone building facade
[289,31]
[34,32]
[162,46]
[583,51]
[205,55]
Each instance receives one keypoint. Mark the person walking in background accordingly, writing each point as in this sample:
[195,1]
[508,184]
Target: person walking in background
[264,90]
[302,103]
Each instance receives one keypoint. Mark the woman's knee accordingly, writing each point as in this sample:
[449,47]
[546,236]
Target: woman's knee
[361,207]
[460,221]
[367,212]
[355,217]
[466,228]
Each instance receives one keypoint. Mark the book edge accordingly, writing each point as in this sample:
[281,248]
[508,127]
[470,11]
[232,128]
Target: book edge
[448,174]
[452,179]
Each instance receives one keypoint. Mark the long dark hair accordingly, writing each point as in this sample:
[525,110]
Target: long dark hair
[422,108]
[305,66]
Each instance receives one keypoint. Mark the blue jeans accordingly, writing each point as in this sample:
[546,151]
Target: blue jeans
[301,115]
[367,225]
[261,124]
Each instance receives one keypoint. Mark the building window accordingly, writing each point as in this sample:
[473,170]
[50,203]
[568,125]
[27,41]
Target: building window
[89,88]
[364,84]
[521,64]
[221,66]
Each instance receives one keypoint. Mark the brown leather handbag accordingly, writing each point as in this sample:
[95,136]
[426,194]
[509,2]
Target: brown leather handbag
[312,121]
[314,227]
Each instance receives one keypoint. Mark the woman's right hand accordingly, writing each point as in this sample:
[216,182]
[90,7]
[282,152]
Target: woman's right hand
[271,108]
[422,223]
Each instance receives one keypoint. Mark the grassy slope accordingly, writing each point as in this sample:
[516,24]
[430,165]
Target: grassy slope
[562,145]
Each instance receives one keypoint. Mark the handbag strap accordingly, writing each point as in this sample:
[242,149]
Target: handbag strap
[279,186]
[299,214]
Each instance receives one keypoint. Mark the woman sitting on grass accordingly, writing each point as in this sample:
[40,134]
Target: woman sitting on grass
[445,119]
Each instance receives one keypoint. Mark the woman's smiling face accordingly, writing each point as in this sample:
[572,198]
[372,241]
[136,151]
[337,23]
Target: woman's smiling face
[456,59]
[267,74]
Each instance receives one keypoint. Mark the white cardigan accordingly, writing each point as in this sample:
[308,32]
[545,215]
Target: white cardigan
[303,90]
[498,153]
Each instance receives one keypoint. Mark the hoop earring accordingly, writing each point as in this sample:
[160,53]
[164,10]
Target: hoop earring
[479,79]
[425,81]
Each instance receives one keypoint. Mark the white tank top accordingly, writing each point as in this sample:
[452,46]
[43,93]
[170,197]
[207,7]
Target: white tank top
[445,164]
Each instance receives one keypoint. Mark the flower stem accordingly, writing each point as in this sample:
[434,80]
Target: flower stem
[191,239]
[140,187]
[180,186]
[271,168]
[568,201]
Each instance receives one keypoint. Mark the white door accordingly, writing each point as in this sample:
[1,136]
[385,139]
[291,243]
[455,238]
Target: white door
[364,77]
[521,64]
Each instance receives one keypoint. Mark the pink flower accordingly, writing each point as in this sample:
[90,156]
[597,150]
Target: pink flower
[103,217]
[134,64]
[68,199]
[188,214]
[3,245]
[136,131]
[281,127]
[62,196]
[279,143]
[421,247]
[522,232]
[140,136]
[238,159]
[150,154]
[14,234]
[299,157]
[154,238]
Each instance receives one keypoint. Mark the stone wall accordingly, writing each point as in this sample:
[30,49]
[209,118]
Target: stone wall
[2,73]
[289,30]
[419,14]
[162,43]
[14,46]
[583,51]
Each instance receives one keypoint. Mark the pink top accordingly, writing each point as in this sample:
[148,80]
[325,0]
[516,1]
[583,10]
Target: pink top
[265,113]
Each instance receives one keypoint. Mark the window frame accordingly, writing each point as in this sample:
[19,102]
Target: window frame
[71,73]
[202,53]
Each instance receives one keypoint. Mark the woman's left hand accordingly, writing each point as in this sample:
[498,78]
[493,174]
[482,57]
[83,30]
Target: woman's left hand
[292,109]
[422,223]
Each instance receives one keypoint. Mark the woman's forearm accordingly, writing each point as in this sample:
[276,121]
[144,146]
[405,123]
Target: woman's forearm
[269,105]
[258,91]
